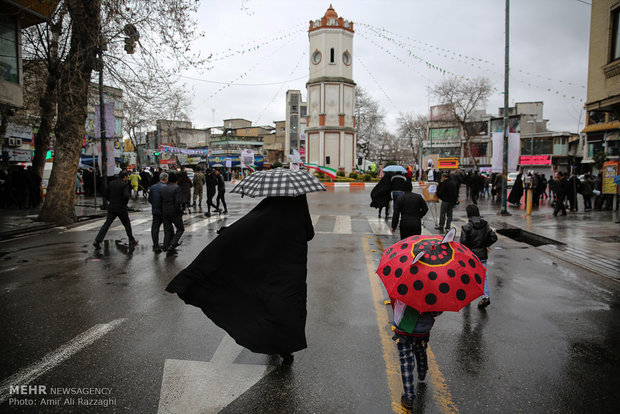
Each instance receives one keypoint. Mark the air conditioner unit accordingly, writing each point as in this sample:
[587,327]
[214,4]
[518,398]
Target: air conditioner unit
[15,142]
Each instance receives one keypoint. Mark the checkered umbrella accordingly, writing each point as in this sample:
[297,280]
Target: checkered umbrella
[279,182]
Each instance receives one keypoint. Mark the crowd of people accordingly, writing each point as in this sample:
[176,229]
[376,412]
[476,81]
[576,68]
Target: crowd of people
[20,188]
[170,196]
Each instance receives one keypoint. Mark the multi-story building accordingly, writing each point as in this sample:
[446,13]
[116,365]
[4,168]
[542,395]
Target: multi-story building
[16,139]
[295,123]
[330,131]
[540,150]
[274,144]
[603,95]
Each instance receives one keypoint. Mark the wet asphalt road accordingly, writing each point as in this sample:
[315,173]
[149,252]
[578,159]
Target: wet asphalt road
[549,342]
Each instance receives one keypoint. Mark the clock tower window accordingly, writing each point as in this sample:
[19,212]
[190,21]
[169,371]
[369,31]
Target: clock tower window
[332,58]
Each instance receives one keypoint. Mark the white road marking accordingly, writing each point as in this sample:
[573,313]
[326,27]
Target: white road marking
[315,219]
[207,387]
[379,226]
[88,226]
[134,223]
[55,358]
[342,225]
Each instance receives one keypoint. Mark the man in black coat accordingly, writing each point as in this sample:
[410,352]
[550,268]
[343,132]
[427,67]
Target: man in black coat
[448,194]
[221,190]
[171,207]
[210,182]
[412,207]
[475,186]
[561,190]
[117,193]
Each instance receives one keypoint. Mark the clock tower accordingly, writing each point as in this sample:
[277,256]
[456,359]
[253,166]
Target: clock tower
[330,132]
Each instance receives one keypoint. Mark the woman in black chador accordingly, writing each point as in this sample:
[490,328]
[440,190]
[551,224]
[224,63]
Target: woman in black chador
[251,280]
[517,191]
[381,194]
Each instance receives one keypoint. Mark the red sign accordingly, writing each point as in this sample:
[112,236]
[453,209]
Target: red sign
[448,163]
[535,159]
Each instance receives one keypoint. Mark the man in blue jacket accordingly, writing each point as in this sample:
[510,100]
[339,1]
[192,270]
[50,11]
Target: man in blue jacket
[158,219]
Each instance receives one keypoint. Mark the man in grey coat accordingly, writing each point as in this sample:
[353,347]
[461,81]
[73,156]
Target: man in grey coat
[171,206]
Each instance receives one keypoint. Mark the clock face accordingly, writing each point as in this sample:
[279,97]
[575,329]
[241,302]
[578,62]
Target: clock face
[316,57]
[346,58]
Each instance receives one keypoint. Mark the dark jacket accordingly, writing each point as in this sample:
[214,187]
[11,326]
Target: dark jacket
[170,202]
[400,183]
[210,183]
[155,197]
[412,207]
[221,185]
[477,235]
[561,187]
[447,191]
[117,193]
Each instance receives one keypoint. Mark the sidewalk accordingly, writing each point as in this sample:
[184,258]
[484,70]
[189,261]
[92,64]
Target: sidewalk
[15,223]
[590,239]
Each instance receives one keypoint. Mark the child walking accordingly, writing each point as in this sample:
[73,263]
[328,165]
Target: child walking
[411,333]
[477,235]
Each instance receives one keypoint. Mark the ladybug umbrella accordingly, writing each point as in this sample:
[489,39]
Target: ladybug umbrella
[432,274]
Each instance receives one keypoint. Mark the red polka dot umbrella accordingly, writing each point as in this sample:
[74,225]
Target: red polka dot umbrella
[429,273]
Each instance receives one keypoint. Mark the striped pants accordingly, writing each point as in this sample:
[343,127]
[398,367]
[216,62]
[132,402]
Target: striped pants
[408,348]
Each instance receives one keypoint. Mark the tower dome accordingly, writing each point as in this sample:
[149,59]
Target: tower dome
[331,13]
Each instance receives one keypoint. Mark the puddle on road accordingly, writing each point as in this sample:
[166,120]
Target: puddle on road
[524,236]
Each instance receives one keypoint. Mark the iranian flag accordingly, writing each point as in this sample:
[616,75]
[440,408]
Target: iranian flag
[251,167]
[330,172]
[312,166]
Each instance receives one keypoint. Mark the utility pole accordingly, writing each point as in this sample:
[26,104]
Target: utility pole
[504,210]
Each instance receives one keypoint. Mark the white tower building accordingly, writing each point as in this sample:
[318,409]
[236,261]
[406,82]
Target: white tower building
[330,131]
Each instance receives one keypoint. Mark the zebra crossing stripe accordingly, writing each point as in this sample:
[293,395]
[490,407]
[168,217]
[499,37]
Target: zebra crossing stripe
[88,226]
[134,223]
[315,219]
[379,226]
[342,225]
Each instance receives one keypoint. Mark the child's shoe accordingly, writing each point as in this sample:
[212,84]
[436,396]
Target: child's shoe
[484,302]
[406,402]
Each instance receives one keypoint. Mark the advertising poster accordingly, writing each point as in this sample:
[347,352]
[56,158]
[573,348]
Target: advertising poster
[610,170]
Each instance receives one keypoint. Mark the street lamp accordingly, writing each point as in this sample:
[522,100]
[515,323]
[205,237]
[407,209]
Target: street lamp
[533,122]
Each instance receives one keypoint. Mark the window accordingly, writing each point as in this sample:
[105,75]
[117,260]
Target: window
[615,35]
[596,117]
[8,49]
[332,55]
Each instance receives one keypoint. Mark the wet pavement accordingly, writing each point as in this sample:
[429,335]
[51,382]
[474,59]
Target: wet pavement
[548,343]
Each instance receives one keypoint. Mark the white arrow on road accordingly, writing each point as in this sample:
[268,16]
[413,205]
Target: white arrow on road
[207,387]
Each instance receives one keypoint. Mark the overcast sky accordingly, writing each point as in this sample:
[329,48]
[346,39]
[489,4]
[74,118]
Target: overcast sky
[548,54]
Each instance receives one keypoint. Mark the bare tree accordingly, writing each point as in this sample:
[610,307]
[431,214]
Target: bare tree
[163,30]
[74,79]
[369,120]
[413,128]
[464,96]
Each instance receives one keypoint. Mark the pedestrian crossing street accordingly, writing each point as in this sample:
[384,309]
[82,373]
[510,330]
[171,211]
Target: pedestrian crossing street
[323,224]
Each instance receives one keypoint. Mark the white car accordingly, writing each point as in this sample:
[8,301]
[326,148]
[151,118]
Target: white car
[512,177]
